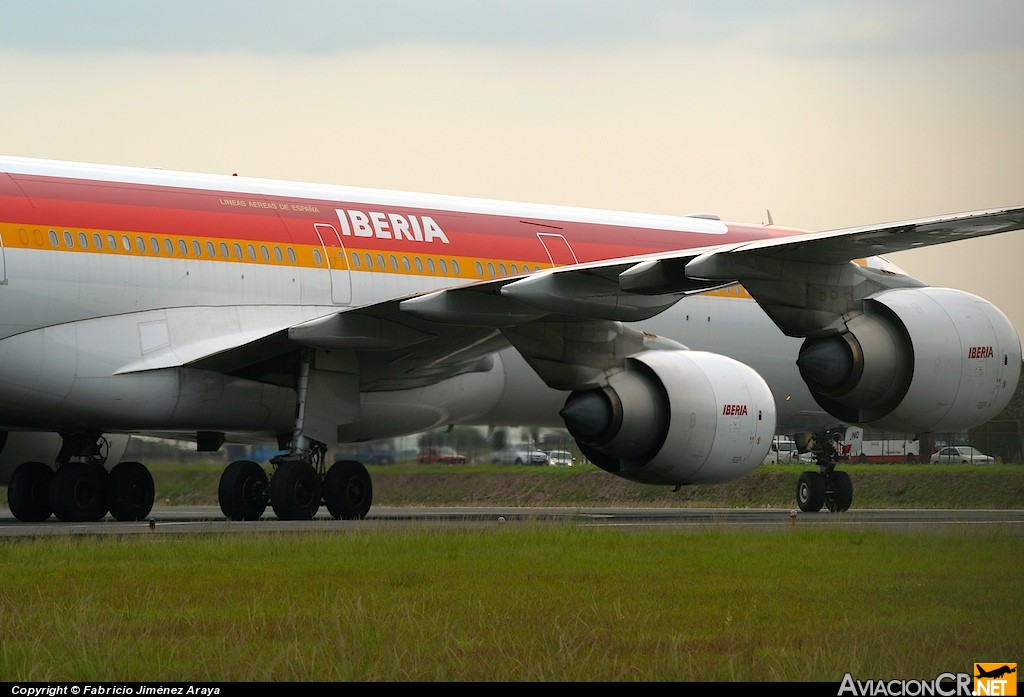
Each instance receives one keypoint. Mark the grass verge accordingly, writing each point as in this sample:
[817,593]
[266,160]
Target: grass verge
[523,602]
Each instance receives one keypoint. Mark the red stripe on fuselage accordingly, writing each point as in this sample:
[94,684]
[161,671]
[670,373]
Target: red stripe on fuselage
[84,204]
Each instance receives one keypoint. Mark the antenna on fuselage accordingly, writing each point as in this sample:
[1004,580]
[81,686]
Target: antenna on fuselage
[770,221]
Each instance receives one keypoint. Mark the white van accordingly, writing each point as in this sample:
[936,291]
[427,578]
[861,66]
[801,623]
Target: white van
[783,451]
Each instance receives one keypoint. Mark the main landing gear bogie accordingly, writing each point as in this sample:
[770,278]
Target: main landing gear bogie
[80,492]
[828,487]
[295,491]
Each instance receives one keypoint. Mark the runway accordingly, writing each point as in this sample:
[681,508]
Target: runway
[177,520]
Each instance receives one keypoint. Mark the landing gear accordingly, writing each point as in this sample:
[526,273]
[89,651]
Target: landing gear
[130,491]
[28,492]
[348,490]
[838,492]
[295,490]
[78,492]
[298,484]
[810,492]
[243,491]
[828,487]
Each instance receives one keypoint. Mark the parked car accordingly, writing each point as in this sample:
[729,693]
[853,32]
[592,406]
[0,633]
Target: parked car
[440,455]
[783,451]
[519,455]
[560,458]
[961,454]
[367,453]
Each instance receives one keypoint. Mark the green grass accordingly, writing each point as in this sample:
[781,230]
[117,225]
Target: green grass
[526,601]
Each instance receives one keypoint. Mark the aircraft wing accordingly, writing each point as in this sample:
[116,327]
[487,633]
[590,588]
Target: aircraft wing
[554,317]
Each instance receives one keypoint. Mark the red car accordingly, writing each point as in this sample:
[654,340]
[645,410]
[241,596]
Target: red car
[442,455]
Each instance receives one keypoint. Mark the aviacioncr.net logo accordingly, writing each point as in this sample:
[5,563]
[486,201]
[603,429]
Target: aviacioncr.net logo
[995,679]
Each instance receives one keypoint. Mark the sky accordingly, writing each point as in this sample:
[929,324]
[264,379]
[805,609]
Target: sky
[826,113]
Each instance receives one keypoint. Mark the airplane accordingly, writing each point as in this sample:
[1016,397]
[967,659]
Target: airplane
[995,672]
[227,309]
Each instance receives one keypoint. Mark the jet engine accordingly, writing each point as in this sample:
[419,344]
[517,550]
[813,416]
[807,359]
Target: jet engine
[915,361]
[675,417]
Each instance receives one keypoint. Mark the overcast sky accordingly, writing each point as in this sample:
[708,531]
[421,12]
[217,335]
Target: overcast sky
[829,114]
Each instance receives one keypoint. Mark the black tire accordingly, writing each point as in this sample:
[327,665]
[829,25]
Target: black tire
[130,491]
[839,496]
[348,490]
[78,492]
[810,492]
[243,491]
[295,491]
[28,492]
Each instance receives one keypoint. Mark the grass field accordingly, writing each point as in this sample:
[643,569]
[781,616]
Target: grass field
[529,601]
[524,602]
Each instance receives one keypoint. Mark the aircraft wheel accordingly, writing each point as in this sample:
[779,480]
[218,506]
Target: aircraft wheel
[839,495]
[810,492]
[78,492]
[28,492]
[130,491]
[348,490]
[295,491]
[243,491]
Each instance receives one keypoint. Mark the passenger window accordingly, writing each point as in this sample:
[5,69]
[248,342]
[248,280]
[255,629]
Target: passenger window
[140,244]
[224,250]
[355,260]
[501,268]
[277,255]
[154,245]
[405,263]
[369,260]
[238,250]
[479,269]
[455,268]
[183,248]
[126,243]
[211,250]
[291,255]
[112,242]
[318,257]
[54,239]
[197,248]
[252,251]
[97,240]
[380,262]
[264,252]
[83,240]
[69,240]
[169,247]
[394,263]
[490,269]
[444,266]
[419,264]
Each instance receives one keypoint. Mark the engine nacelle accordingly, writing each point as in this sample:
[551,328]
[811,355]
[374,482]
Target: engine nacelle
[675,417]
[917,360]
